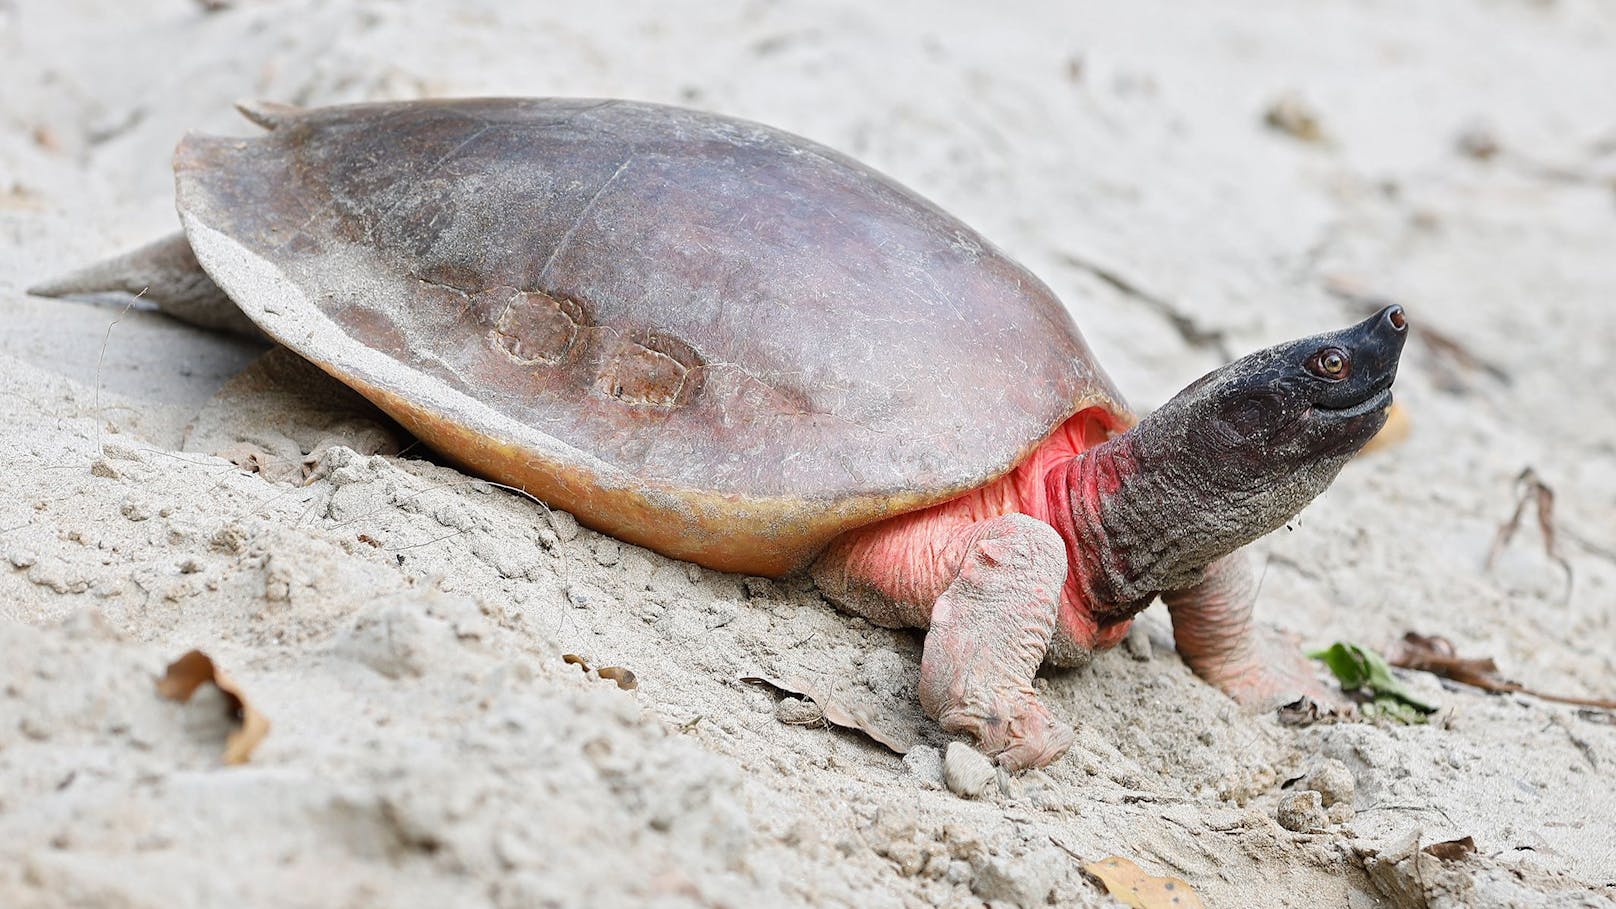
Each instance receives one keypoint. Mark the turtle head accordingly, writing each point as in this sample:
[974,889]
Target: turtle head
[1243,449]
[1283,414]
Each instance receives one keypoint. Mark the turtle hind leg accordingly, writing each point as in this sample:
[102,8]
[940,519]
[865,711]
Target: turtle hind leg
[165,273]
[989,591]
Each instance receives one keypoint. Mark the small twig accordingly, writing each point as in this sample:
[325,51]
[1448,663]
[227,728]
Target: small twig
[1066,849]
[1531,488]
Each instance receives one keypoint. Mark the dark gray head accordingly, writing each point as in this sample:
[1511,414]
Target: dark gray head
[1243,449]
[1296,404]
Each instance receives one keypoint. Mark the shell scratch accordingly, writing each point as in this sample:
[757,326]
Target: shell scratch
[566,239]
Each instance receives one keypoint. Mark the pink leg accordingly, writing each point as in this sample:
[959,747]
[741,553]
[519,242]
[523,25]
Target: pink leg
[1216,636]
[989,592]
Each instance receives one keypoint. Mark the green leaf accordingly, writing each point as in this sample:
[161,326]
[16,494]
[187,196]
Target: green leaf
[1348,662]
[1357,667]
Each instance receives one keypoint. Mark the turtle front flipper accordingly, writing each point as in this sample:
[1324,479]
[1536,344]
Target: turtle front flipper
[1220,641]
[989,591]
[165,273]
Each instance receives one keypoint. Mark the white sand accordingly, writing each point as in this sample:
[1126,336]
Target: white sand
[429,745]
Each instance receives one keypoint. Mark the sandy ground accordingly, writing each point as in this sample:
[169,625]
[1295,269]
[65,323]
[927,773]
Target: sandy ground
[403,625]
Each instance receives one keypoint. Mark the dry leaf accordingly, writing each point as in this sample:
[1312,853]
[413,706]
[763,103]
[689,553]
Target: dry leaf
[1452,850]
[623,676]
[1529,487]
[195,669]
[1436,655]
[835,711]
[1133,887]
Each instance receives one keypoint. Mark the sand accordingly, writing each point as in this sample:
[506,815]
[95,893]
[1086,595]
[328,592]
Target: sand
[403,625]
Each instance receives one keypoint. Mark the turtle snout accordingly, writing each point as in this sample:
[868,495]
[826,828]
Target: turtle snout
[1393,317]
[1377,342]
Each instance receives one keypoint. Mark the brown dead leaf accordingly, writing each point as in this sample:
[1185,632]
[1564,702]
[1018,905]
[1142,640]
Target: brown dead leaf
[837,713]
[1133,887]
[195,669]
[624,677]
[1452,850]
[1529,487]
[1436,655]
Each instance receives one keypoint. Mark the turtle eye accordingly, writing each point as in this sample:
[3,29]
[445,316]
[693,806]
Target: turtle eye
[1330,363]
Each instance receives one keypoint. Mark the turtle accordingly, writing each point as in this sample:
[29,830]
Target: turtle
[740,348]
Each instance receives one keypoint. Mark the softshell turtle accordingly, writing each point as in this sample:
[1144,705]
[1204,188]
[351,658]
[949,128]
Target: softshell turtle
[737,347]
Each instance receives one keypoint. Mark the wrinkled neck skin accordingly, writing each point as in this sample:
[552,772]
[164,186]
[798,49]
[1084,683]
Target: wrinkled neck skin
[1233,456]
[1151,508]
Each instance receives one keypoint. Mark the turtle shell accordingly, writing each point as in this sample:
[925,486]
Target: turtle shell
[696,333]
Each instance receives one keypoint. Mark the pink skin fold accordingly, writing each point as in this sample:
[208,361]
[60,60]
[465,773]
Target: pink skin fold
[1003,581]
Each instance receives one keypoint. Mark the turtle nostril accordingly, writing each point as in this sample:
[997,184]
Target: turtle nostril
[1394,315]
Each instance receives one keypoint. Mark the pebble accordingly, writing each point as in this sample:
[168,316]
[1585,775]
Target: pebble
[925,764]
[1332,781]
[967,772]
[909,857]
[1302,812]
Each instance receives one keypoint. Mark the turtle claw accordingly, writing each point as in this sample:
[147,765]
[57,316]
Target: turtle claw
[1018,731]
